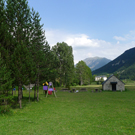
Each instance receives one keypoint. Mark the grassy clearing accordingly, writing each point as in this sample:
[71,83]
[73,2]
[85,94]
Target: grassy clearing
[80,113]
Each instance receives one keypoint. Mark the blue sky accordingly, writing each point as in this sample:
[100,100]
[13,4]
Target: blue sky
[104,28]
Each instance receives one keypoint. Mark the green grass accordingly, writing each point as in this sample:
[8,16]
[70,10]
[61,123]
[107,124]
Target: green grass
[129,82]
[83,113]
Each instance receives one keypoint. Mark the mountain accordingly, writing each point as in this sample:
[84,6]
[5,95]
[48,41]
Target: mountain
[96,62]
[124,66]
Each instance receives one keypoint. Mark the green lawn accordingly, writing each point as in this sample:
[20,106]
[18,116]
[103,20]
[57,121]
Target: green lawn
[83,113]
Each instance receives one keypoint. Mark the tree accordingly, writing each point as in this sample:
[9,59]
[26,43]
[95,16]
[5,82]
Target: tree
[3,27]
[83,72]
[22,67]
[49,65]
[18,21]
[5,81]
[65,68]
[38,46]
[76,80]
[88,75]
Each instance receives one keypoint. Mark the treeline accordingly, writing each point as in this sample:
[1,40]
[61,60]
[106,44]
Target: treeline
[26,57]
[128,73]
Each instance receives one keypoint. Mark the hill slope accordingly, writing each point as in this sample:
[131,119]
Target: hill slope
[96,62]
[124,65]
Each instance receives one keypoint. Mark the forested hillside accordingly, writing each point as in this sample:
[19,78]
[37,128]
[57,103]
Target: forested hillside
[122,65]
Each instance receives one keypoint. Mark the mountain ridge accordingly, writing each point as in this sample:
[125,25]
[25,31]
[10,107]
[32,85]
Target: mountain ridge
[96,62]
[122,65]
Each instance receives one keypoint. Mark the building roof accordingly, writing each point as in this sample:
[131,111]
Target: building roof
[109,78]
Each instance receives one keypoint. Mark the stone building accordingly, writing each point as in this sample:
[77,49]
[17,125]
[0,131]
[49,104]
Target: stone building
[113,84]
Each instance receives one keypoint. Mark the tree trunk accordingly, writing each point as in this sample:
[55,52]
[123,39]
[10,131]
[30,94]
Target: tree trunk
[38,91]
[38,85]
[35,90]
[12,92]
[20,95]
[81,81]
[29,92]
[60,80]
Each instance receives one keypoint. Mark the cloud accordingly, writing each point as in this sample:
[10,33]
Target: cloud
[80,40]
[131,35]
[118,42]
[90,55]
[75,40]
[128,37]
[84,47]
[54,36]
[119,38]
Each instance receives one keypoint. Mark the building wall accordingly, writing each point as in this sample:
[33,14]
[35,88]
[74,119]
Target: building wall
[119,86]
[105,78]
[99,78]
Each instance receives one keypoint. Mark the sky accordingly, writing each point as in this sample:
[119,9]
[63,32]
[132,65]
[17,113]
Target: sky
[103,28]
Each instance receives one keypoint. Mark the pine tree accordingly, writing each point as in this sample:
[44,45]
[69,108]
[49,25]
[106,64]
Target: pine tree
[2,23]
[49,65]
[18,16]
[38,41]
[5,80]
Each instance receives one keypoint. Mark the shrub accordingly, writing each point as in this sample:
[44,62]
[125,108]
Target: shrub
[5,103]
[4,109]
[73,84]
[68,86]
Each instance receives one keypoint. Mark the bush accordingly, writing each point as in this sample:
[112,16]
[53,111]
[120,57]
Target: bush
[4,109]
[5,103]
[68,86]
[56,84]
[73,84]
[97,82]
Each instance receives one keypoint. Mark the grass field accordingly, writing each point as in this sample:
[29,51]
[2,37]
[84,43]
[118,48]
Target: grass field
[83,113]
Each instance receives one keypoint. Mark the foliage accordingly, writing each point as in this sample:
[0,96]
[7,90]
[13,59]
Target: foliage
[22,42]
[65,65]
[5,77]
[128,73]
[5,103]
[83,73]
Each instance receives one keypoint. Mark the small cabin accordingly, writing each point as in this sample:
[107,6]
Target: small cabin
[113,84]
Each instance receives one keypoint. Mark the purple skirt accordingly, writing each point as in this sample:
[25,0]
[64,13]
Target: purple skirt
[50,89]
[45,87]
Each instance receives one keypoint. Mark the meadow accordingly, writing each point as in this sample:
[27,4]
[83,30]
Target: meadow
[83,113]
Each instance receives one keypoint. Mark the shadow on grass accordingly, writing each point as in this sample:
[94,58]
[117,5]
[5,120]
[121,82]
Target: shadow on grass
[5,109]
[25,100]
